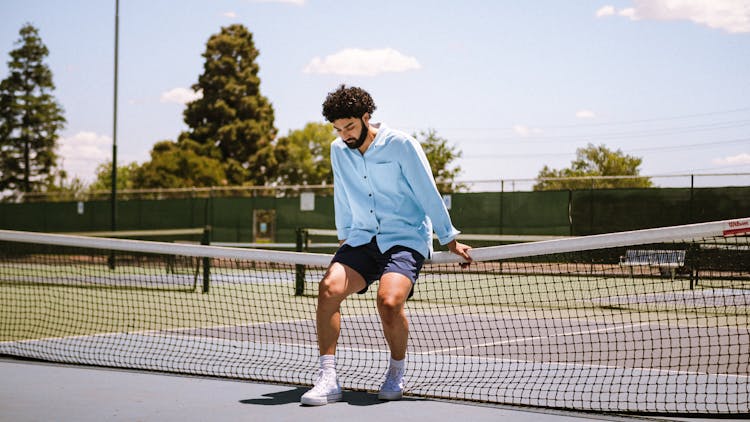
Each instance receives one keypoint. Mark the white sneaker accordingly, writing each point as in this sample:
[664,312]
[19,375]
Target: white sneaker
[393,387]
[326,390]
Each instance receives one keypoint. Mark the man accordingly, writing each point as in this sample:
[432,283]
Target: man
[386,206]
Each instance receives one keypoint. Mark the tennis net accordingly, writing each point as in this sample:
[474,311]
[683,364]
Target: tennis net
[654,321]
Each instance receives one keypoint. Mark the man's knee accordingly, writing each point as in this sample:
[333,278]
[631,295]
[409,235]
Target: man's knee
[390,302]
[393,292]
[391,310]
[331,287]
[338,283]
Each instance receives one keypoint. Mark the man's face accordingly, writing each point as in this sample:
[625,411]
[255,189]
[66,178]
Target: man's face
[350,129]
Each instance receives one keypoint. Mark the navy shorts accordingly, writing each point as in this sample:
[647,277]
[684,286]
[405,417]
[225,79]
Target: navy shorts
[371,264]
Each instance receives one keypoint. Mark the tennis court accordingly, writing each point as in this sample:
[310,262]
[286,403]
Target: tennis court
[561,329]
[461,366]
[85,393]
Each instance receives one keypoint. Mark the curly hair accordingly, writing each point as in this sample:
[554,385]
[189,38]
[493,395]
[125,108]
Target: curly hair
[346,102]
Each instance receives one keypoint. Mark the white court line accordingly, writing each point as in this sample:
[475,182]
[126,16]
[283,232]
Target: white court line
[524,339]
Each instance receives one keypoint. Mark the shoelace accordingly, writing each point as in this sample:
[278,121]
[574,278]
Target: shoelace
[325,381]
[394,378]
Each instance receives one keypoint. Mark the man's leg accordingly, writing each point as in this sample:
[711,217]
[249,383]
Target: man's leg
[392,294]
[339,282]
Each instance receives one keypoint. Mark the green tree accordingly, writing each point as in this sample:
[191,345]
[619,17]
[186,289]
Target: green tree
[441,156]
[126,175]
[30,118]
[179,165]
[232,116]
[590,162]
[60,188]
[303,157]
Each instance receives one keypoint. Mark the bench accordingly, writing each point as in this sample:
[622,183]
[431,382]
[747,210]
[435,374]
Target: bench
[668,261]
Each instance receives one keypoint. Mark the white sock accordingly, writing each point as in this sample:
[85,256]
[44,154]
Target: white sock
[328,363]
[398,364]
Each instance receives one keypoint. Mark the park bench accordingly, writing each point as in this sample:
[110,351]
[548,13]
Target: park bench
[668,261]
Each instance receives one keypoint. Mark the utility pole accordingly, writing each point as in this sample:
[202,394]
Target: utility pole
[113,225]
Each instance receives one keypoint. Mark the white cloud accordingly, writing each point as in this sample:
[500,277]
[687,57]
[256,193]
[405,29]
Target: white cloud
[360,62]
[628,13]
[605,11]
[526,131]
[230,15]
[83,152]
[180,96]
[585,114]
[729,15]
[739,159]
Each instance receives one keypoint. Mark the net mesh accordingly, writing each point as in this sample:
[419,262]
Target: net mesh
[543,324]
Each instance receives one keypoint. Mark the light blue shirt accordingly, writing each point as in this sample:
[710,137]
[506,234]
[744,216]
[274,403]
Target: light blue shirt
[388,192]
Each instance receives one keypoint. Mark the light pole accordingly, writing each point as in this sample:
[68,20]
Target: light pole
[114,137]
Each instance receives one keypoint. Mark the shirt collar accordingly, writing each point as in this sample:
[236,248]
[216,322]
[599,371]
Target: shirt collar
[380,137]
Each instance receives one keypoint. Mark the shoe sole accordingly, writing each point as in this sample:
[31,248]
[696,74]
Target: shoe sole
[320,401]
[390,395]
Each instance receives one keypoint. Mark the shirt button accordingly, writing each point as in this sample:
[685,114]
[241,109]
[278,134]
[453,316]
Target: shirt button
[365,177]
[370,211]
[369,195]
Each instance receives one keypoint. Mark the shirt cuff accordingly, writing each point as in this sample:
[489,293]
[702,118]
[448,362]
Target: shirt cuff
[446,239]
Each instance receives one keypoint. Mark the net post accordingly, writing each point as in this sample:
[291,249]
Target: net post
[206,240]
[299,273]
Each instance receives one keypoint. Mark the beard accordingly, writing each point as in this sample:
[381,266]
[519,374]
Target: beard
[356,143]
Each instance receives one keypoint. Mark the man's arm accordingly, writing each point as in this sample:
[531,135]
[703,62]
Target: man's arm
[342,209]
[418,174]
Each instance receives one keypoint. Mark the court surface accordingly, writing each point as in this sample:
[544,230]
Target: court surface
[462,366]
[37,391]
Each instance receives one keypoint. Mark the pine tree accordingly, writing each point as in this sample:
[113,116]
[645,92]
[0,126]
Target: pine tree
[232,115]
[30,118]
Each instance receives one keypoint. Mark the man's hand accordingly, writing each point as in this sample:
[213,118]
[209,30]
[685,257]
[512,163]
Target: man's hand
[461,250]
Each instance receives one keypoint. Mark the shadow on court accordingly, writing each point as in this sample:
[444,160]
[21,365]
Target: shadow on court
[353,398]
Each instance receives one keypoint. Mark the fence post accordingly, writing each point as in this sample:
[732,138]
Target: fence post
[206,240]
[570,212]
[591,208]
[502,197]
[299,276]
[690,208]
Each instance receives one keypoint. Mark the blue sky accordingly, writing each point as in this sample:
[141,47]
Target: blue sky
[514,85]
